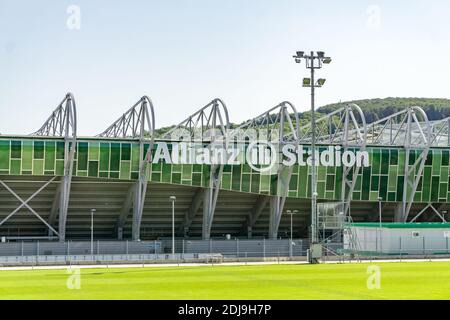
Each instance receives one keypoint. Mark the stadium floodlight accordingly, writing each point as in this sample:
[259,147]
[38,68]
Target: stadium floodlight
[320,82]
[306,82]
[314,60]
[173,199]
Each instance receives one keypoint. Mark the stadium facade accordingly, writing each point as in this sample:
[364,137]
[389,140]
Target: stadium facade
[51,179]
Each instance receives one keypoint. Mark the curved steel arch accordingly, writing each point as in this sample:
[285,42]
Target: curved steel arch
[279,125]
[63,120]
[402,128]
[209,124]
[203,124]
[440,133]
[347,132]
[62,123]
[408,128]
[351,135]
[405,129]
[272,123]
[134,122]
[344,126]
[137,123]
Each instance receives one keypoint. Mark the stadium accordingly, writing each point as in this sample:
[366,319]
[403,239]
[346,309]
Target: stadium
[176,150]
[51,179]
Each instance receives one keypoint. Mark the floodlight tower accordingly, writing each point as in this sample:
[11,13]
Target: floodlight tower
[314,60]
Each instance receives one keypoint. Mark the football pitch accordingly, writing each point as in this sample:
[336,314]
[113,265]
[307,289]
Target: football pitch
[411,280]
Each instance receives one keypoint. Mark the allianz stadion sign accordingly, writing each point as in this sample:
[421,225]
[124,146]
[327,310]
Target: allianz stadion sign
[259,155]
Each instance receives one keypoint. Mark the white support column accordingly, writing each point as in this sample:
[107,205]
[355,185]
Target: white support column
[414,172]
[208,214]
[398,214]
[70,145]
[63,123]
[261,203]
[137,123]
[210,200]
[353,134]
[124,213]
[276,210]
[55,208]
[277,202]
[64,205]
[140,191]
[138,208]
[208,125]
[197,201]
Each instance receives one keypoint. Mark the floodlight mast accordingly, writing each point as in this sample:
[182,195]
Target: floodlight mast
[313,61]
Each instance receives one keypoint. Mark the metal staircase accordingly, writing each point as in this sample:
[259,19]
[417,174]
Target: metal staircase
[335,232]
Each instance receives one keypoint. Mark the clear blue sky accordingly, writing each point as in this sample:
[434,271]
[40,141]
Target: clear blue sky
[185,53]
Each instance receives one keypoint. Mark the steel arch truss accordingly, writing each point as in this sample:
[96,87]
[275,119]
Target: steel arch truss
[411,130]
[351,134]
[206,124]
[137,123]
[440,133]
[279,125]
[209,125]
[439,136]
[346,126]
[407,128]
[61,123]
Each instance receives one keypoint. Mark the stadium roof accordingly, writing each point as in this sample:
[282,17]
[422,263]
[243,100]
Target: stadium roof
[52,178]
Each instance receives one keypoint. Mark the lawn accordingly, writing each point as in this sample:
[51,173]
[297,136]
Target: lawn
[413,280]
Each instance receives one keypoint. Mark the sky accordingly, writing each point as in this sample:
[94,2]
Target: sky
[185,53]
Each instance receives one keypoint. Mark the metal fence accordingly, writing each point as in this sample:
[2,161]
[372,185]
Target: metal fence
[245,248]
[48,248]
[236,248]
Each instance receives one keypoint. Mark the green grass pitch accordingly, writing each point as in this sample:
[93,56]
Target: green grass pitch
[413,280]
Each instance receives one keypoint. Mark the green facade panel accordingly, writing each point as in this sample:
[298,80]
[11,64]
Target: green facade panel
[97,158]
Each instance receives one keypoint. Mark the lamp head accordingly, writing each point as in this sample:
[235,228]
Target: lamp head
[306,82]
[321,82]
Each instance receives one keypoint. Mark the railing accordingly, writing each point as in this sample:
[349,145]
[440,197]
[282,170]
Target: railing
[237,248]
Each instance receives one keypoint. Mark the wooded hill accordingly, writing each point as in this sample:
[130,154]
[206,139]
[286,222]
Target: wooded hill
[375,109]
